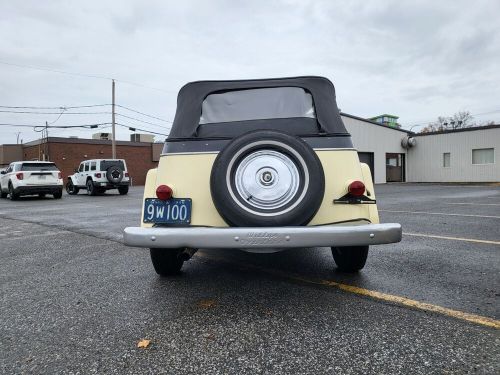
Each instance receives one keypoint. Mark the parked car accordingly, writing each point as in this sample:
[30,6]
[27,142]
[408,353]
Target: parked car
[31,178]
[99,175]
[263,166]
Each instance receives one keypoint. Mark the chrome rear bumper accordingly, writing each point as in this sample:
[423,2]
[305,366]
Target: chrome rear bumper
[275,237]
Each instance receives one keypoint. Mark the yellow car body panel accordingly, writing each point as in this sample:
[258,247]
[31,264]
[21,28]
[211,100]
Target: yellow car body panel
[189,177]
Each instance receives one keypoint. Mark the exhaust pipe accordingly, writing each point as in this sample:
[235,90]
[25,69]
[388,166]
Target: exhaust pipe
[187,253]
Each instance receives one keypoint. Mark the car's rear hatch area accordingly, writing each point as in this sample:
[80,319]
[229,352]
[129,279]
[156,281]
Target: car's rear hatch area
[40,173]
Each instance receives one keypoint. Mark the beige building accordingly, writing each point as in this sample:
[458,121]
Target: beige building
[463,155]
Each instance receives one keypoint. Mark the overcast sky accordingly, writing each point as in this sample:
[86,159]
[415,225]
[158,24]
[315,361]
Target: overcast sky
[417,60]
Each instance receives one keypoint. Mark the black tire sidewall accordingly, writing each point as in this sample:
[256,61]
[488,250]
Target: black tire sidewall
[235,215]
[351,258]
[109,176]
[90,188]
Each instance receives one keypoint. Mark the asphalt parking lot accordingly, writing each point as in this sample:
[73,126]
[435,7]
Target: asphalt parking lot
[75,300]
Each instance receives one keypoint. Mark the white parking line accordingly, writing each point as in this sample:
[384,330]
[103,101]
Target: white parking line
[440,213]
[474,204]
[452,238]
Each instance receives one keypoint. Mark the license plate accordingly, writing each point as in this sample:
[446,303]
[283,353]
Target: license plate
[41,177]
[172,211]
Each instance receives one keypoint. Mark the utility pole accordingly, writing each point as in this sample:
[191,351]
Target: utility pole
[17,137]
[47,139]
[113,140]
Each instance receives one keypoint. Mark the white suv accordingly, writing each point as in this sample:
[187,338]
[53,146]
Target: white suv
[30,178]
[99,175]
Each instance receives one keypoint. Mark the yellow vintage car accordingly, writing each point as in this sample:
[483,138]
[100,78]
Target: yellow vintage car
[263,166]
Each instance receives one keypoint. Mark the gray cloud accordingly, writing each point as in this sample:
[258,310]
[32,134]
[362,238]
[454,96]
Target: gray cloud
[418,60]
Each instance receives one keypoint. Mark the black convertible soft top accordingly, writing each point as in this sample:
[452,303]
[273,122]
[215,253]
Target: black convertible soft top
[186,123]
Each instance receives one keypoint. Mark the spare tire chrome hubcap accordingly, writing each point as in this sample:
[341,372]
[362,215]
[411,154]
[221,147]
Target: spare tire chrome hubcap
[267,179]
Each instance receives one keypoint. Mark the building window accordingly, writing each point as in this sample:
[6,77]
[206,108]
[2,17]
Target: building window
[446,160]
[483,156]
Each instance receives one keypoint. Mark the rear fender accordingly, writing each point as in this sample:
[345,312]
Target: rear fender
[368,181]
[149,191]
[72,179]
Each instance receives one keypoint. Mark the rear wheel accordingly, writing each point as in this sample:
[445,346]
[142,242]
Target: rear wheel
[3,195]
[58,195]
[166,261]
[13,195]
[123,190]
[41,195]
[71,189]
[91,190]
[350,259]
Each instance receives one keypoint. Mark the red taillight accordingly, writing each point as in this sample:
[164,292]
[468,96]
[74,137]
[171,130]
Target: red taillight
[59,175]
[20,175]
[356,188]
[126,174]
[98,175]
[164,192]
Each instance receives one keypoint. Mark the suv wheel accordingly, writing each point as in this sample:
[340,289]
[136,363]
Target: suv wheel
[58,195]
[71,189]
[90,188]
[123,190]
[166,261]
[13,196]
[3,195]
[350,259]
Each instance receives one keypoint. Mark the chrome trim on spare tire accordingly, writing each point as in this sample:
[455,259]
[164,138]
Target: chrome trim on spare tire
[267,179]
[274,213]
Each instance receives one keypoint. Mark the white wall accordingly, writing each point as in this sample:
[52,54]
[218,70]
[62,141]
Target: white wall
[369,137]
[425,160]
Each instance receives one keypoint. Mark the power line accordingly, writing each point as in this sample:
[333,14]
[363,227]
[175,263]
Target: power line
[83,75]
[54,126]
[136,119]
[143,130]
[141,113]
[60,107]
[75,107]
[54,70]
[56,113]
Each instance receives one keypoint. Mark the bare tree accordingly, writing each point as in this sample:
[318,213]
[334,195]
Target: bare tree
[461,119]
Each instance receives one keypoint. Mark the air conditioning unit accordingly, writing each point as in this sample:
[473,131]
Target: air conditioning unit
[148,138]
[102,136]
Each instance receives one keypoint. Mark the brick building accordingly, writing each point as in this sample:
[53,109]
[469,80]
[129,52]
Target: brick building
[67,153]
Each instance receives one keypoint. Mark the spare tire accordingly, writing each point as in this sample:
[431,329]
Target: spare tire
[114,174]
[267,178]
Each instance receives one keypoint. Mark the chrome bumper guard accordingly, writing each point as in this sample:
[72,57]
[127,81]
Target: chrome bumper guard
[275,237]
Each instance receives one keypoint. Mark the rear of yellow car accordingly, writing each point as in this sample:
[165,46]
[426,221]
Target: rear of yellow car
[282,174]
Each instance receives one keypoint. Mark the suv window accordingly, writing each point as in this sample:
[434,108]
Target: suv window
[105,164]
[257,104]
[86,167]
[92,165]
[80,169]
[38,167]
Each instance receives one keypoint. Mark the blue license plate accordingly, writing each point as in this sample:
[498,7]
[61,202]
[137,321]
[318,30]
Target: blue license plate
[172,211]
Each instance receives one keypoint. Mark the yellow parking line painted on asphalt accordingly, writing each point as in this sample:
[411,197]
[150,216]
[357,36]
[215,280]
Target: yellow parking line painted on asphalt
[403,301]
[440,213]
[452,238]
